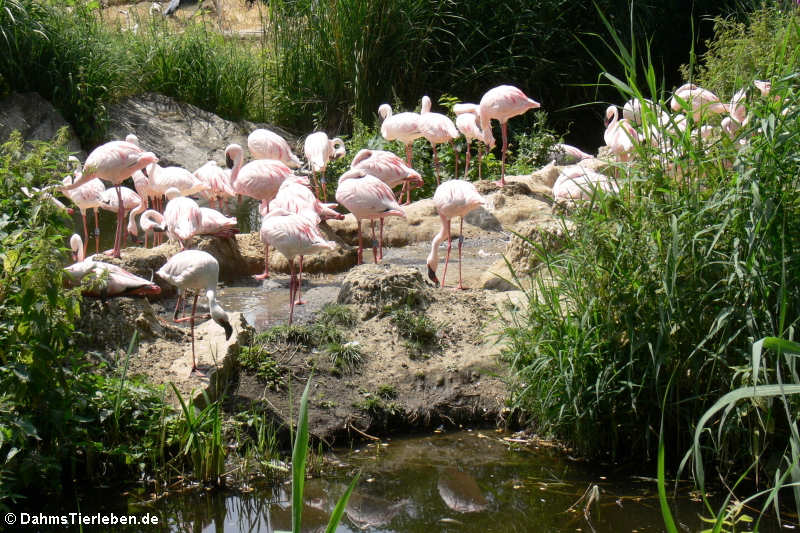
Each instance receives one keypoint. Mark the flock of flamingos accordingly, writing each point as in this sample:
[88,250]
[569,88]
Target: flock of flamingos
[293,205]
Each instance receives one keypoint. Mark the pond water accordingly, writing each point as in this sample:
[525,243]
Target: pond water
[468,481]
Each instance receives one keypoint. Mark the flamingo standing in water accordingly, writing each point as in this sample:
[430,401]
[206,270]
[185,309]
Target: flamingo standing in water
[114,162]
[108,279]
[87,196]
[388,168]
[319,150]
[437,129]
[265,144]
[502,103]
[453,198]
[367,197]
[197,270]
[292,234]
[259,179]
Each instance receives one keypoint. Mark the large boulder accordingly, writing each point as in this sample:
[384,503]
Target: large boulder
[375,287]
[178,133]
[35,118]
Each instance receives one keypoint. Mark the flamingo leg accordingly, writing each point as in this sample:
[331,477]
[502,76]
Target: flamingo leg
[299,300]
[447,259]
[435,164]
[460,243]
[177,306]
[265,275]
[120,224]
[324,183]
[85,233]
[96,230]
[466,170]
[504,127]
[292,286]
[314,186]
[360,243]
[191,322]
[374,248]
[408,154]
[380,242]
[480,157]
[453,146]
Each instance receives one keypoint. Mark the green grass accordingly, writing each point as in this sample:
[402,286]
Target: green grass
[673,277]
[418,329]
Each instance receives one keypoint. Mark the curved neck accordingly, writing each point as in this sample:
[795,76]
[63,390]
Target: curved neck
[433,257]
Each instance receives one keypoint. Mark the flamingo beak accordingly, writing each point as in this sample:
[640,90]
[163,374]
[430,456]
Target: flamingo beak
[228,161]
[228,329]
[432,276]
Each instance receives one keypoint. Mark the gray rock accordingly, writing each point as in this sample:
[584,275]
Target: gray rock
[374,287]
[35,118]
[180,134]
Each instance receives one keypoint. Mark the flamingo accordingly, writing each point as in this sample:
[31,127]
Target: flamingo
[620,134]
[132,204]
[265,144]
[572,151]
[367,197]
[576,182]
[292,234]
[259,179]
[217,179]
[696,100]
[114,162]
[197,270]
[319,150]
[87,196]
[403,127]
[107,279]
[453,198]
[182,217]
[388,168]
[437,129]
[294,196]
[502,103]
[467,124]
[164,178]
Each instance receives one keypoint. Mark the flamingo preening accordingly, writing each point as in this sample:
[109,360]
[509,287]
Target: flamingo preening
[367,197]
[266,144]
[199,271]
[319,150]
[453,198]
[437,129]
[502,103]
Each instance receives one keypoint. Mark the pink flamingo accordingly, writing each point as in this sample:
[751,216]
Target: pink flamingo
[453,198]
[319,150]
[502,103]
[572,151]
[132,204]
[576,182]
[696,100]
[259,179]
[620,134]
[219,187]
[388,168]
[212,223]
[107,279]
[292,234]
[467,124]
[403,127]
[437,129]
[164,178]
[87,196]
[294,196]
[265,144]
[199,271]
[114,161]
[367,197]
[182,217]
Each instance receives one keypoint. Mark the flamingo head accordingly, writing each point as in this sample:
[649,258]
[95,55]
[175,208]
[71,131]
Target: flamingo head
[426,104]
[338,148]
[385,111]
[611,114]
[233,153]
[432,275]
[76,245]
[133,139]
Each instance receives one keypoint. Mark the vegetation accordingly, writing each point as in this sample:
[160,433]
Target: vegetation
[660,291]
[419,330]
